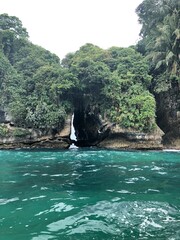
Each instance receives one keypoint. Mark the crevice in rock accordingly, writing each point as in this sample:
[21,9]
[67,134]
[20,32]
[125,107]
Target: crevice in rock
[89,129]
[168,113]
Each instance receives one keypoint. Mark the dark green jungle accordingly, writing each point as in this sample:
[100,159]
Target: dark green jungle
[136,88]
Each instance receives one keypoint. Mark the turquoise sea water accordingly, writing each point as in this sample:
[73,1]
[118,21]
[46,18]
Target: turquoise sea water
[89,195]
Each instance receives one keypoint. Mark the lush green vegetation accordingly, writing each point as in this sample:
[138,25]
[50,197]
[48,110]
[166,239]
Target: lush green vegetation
[117,79]
[4,132]
[38,91]
[160,42]
[33,85]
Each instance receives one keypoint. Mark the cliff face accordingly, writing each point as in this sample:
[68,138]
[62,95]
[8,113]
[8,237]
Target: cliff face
[123,139]
[93,130]
[12,136]
[168,116]
[100,132]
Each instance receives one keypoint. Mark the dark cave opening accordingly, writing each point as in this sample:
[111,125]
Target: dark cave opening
[86,122]
[86,127]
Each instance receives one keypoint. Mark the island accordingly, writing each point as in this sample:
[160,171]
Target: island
[118,98]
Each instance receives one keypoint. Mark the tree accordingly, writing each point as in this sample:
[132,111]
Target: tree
[129,103]
[113,81]
[161,39]
[10,29]
[39,92]
[10,81]
[91,72]
[92,76]
[34,86]
[45,117]
[14,25]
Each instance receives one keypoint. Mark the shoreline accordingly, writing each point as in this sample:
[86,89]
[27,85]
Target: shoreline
[55,148]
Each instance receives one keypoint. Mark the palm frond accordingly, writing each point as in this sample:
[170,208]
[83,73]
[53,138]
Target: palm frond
[160,64]
[169,58]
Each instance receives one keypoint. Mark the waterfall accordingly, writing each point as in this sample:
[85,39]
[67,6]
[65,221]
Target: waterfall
[72,135]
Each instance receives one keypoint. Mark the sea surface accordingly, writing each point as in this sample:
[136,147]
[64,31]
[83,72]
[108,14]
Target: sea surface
[89,194]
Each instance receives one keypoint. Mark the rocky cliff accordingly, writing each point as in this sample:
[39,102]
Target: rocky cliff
[91,129]
[168,115]
[12,136]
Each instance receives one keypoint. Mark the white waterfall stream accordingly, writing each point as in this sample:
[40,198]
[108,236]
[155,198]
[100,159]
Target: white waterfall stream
[72,135]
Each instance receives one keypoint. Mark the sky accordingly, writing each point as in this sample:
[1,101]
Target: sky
[63,26]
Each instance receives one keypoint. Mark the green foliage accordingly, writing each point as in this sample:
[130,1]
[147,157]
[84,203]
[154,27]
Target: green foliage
[39,92]
[161,40]
[117,80]
[92,75]
[7,43]
[9,81]
[10,29]
[88,50]
[130,105]
[4,131]
[20,132]
[13,132]
[129,102]
[18,111]
[34,87]
[45,117]
[13,24]
[138,113]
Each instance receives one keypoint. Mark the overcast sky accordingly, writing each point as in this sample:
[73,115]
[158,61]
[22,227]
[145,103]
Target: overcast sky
[63,26]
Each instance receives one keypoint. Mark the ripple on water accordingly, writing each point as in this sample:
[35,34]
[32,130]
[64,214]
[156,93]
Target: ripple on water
[4,201]
[115,218]
[107,195]
[136,179]
[57,207]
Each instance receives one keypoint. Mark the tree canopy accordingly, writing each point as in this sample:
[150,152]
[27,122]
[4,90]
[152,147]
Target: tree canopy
[116,80]
[32,80]
[39,91]
[13,24]
[160,42]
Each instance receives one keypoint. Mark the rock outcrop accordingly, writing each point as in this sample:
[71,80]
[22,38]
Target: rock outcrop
[14,137]
[168,116]
[122,139]
[91,130]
